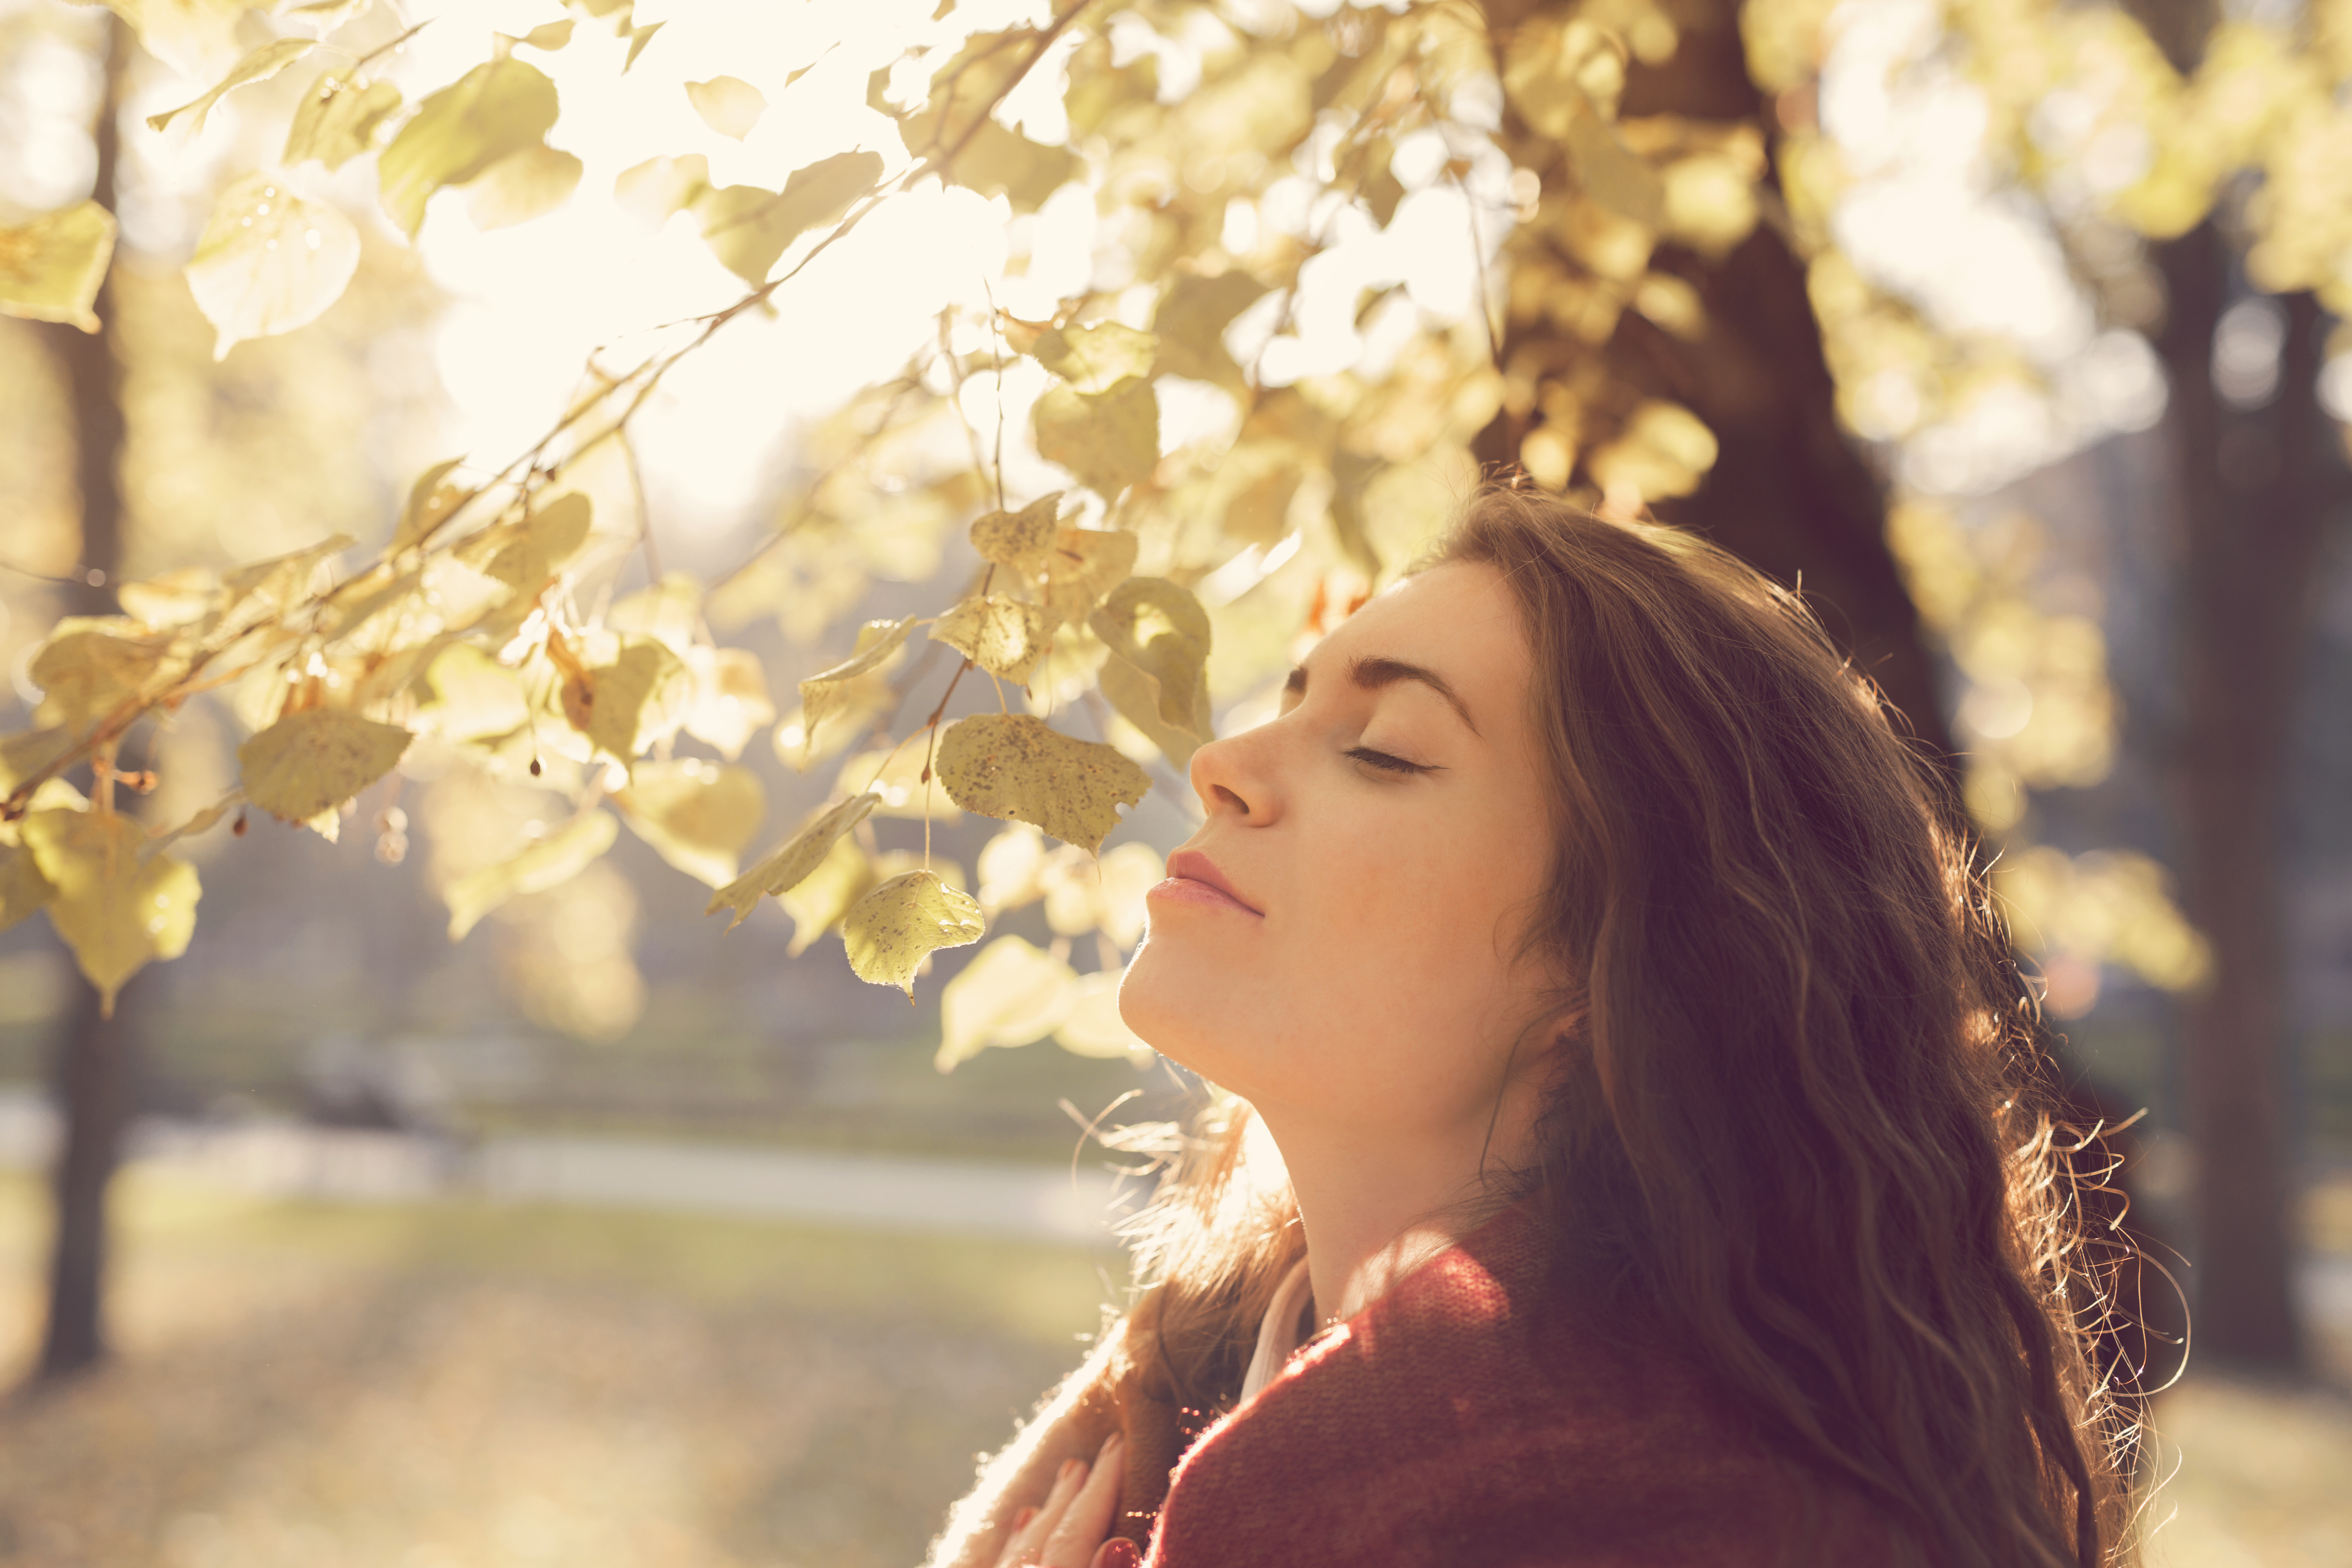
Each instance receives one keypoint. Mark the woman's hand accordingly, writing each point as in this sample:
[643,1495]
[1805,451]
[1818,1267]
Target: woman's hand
[1070,1530]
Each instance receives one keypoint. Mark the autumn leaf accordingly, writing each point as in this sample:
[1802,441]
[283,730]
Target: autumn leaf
[1085,565]
[658,187]
[471,696]
[337,120]
[792,861]
[825,694]
[521,186]
[746,227]
[91,666]
[1160,629]
[1019,540]
[819,902]
[1001,162]
[627,705]
[731,699]
[1010,995]
[902,921]
[697,815]
[269,261]
[1002,635]
[50,268]
[260,66]
[23,888]
[492,112]
[1015,766]
[1098,357]
[1108,440]
[115,911]
[549,863]
[527,552]
[431,503]
[729,105]
[1190,325]
[314,761]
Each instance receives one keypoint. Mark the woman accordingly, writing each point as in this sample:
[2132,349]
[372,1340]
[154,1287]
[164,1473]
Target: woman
[1632,1152]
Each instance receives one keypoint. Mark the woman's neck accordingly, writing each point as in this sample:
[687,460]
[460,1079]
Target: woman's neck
[1374,1210]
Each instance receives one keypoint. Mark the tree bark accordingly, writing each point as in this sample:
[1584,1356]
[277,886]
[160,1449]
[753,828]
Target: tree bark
[2254,493]
[1789,492]
[91,1065]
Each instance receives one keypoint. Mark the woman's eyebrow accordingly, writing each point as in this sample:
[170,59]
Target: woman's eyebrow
[1369,673]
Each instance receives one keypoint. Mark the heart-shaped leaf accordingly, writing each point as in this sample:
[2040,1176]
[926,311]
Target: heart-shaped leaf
[1012,765]
[903,920]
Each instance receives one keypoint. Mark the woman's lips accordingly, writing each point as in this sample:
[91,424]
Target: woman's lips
[1183,890]
[1193,877]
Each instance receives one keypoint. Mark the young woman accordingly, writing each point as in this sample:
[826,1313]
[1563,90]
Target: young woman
[1628,1149]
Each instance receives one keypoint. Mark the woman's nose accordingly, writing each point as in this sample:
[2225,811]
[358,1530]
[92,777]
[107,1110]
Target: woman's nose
[1231,775]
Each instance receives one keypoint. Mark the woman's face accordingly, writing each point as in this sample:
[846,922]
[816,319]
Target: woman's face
[1340,937]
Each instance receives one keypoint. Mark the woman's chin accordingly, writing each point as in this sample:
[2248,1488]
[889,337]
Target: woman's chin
[1168,1003]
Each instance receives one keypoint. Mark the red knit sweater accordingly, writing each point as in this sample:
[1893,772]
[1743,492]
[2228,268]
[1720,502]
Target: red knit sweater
[1471,1418]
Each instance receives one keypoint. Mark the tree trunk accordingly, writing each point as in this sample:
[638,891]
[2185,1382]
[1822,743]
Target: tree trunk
[91,1063]
[1788,493]
[2254,493]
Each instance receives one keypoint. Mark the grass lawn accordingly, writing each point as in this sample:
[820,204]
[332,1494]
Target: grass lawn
[458,1385]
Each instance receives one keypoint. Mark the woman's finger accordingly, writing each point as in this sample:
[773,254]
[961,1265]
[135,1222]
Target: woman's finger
[1072,1541]
[1028,1542]
[1010,1556]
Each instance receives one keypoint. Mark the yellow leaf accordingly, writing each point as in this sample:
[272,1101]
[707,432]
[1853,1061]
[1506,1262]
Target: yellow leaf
[532,550]
[326,14]
[314,761]
[521,186]
[822,897]
[962,90]
[492,112]
[269,261]
[727,104]
[549,863]
[1136,698]
[92,665]
[50,268]
[697,815]
[116,911]
[1010,995]
[903,920]
[26,753]
[1086,563]
[203,822]
[626,706]
[824,694]
[260,66]
[747,227]
[1096,358]
[1004,637]
[638,38]
[473,696]
[337,120]
[1108,440]
[23,888]
[792,861]
[1015,766]
[1190,325]
[1019,539]
[549,35]
[998,162]
[179,597]
[731,699]
[1161,628]
[1093,1027]
[660,186]
[431,503]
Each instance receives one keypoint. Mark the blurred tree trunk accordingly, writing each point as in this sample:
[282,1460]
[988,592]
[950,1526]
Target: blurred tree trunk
[91,1065]
[1788,493]
[2254,490]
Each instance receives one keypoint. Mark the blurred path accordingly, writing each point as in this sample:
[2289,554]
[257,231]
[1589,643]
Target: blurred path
[863,1191]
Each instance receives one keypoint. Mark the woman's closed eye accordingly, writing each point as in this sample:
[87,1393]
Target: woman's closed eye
[1388,764]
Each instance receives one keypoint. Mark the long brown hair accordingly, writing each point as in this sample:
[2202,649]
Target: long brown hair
[1797,1103]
